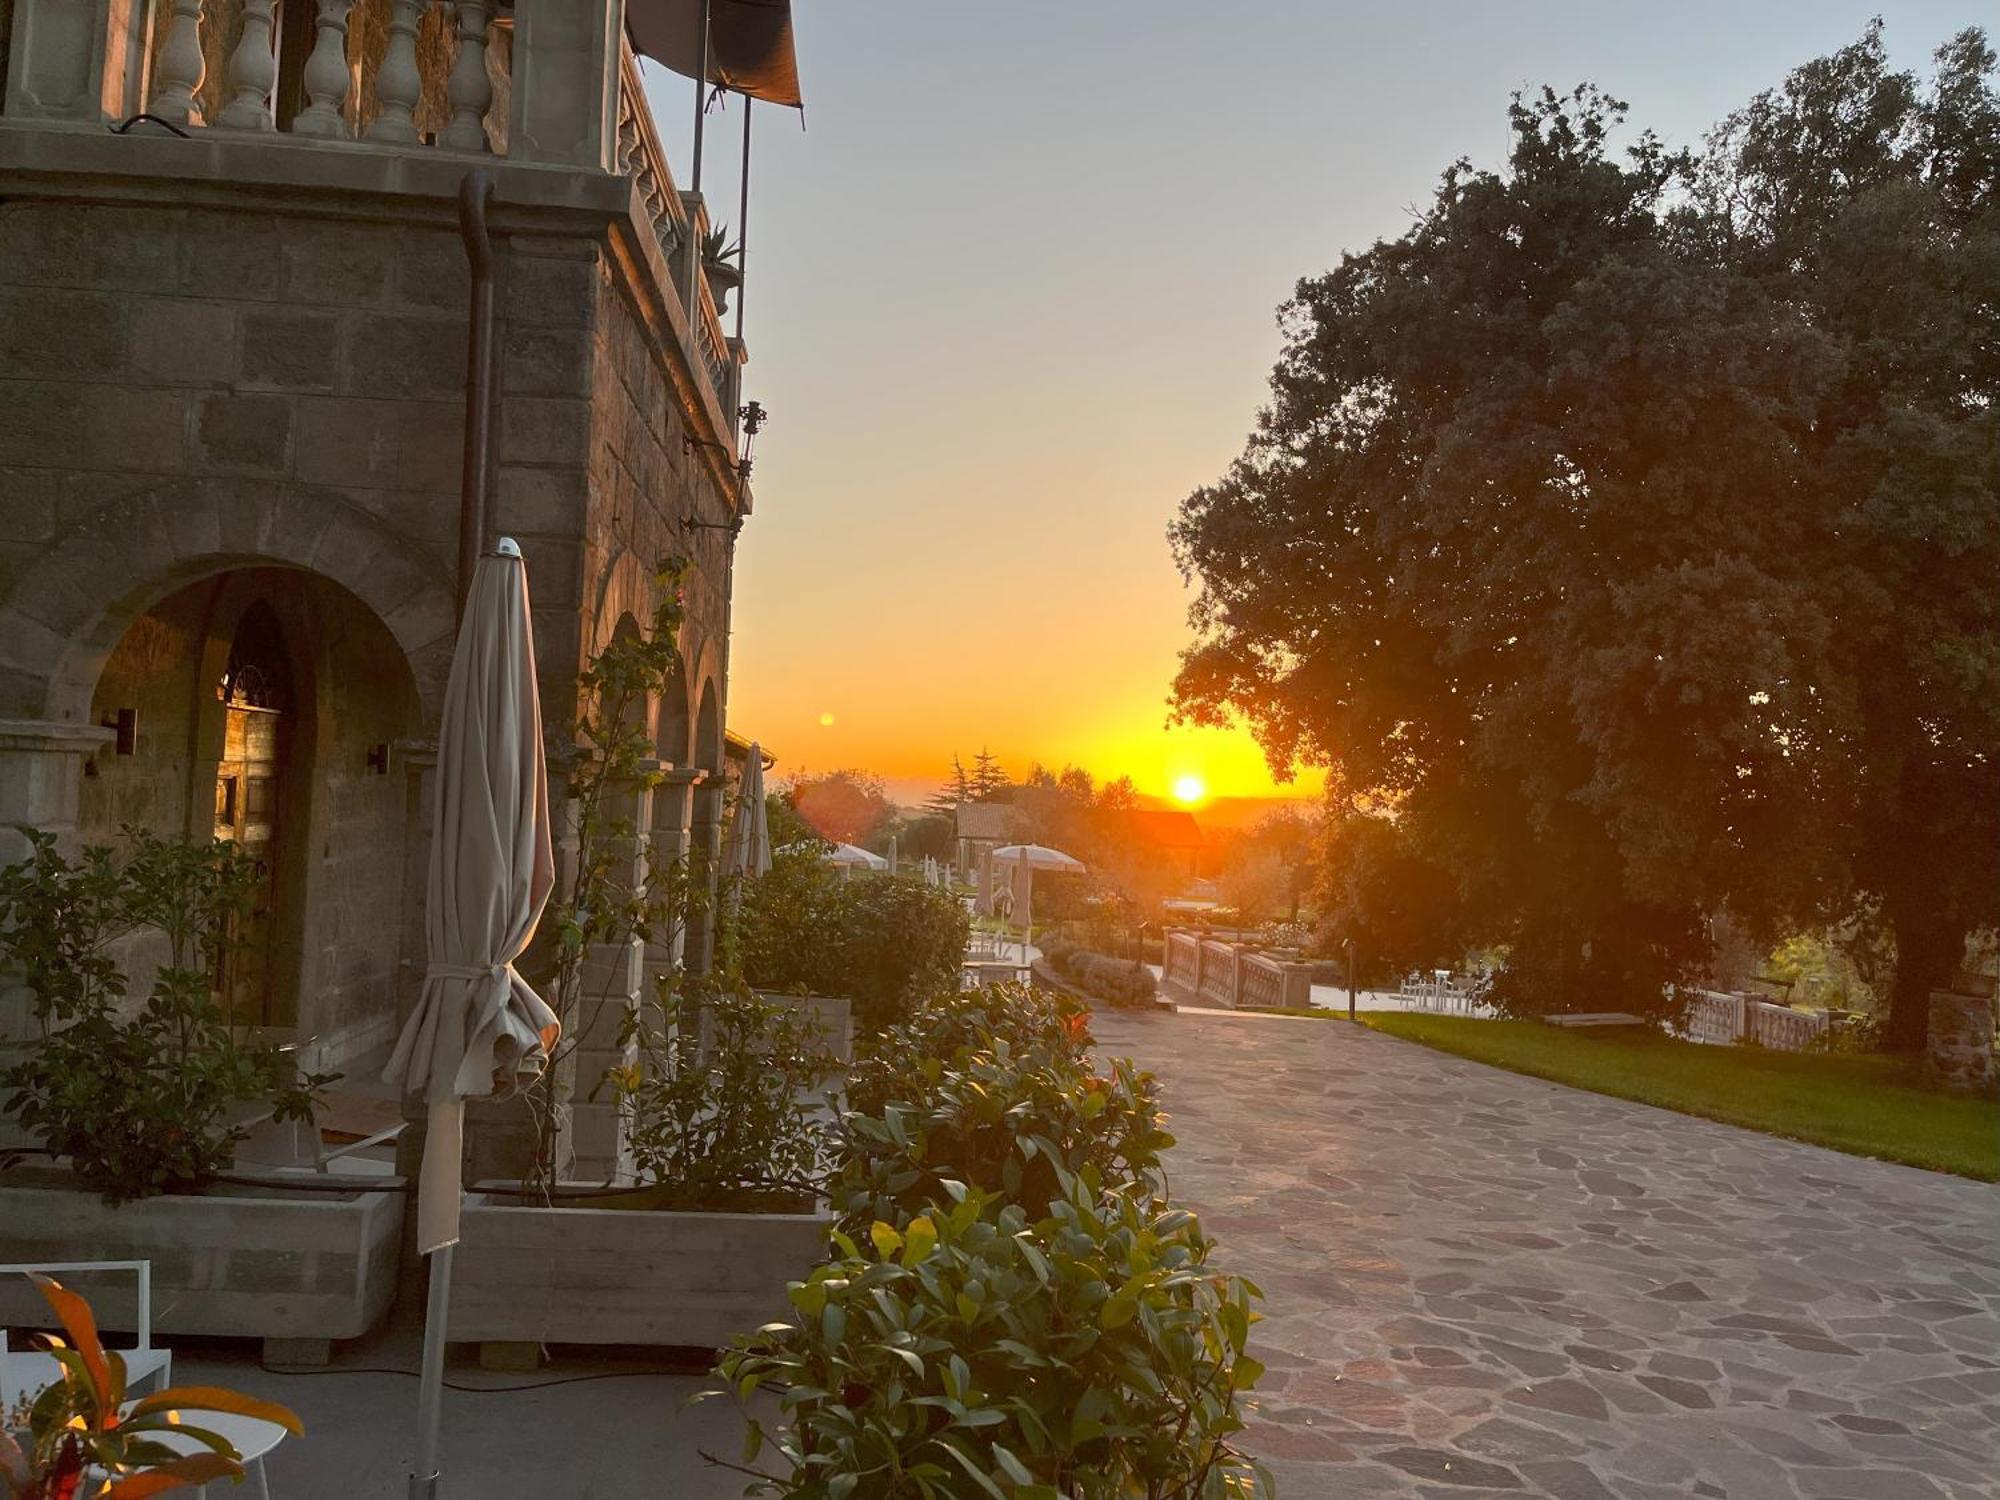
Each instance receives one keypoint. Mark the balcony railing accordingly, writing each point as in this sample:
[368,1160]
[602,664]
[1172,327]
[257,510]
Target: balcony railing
[679,222]
[404,73]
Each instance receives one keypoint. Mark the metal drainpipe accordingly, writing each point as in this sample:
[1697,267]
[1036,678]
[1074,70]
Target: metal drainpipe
[473,195]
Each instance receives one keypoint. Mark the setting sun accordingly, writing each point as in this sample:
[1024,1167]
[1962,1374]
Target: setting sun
[1189,789]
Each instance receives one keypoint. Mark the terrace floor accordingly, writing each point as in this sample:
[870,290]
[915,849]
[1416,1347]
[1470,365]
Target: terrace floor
[1479,1283]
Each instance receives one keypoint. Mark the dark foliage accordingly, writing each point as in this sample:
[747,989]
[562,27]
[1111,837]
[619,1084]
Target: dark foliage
[1623,536]
[882,943]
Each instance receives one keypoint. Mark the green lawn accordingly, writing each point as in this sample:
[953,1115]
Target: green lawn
[1862,1105]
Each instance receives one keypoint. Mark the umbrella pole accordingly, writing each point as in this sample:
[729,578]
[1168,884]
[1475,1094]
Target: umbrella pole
[430,1388]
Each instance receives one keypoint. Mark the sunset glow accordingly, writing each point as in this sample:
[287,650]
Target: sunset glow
[1189,790]
[960,540]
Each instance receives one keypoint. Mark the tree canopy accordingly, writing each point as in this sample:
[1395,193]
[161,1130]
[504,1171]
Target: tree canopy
[1623,538]
[842,807]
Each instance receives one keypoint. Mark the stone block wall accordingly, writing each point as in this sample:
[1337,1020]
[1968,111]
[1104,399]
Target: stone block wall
[202,383]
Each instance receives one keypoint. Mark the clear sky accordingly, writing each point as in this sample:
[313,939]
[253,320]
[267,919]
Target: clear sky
[1011,297]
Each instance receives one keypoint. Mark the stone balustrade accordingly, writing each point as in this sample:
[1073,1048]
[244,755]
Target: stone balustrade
[432,73]
[1726,1019]
[679,221]
[1208,971]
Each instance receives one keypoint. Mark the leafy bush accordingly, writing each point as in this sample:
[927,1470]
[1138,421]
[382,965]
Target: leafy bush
[1025,1317]
[1018,1128]
[882,943]
[951,1026]
[1088,1354]
[138,1099]
[1120,982]
[718,1107]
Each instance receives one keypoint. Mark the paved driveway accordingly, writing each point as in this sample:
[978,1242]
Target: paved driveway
[1479,1283]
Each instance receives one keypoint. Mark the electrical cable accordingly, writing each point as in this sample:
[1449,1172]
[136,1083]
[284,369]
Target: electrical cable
[124,125]
[495,1390]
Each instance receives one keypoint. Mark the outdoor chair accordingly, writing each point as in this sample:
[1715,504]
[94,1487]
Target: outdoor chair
[251,1437]
[146,1368]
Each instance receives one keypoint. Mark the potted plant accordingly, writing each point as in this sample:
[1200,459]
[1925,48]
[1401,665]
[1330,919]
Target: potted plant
[725,1130]
[82,1424]
[139,1102]
[720,264]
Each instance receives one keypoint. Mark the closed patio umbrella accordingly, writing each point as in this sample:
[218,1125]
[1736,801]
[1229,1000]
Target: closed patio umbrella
[748,852]
[1024,860]
[479,1029]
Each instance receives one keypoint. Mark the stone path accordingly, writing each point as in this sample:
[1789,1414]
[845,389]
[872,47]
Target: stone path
[1484,1284]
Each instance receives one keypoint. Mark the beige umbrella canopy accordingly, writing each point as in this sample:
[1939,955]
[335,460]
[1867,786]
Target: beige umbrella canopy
[479,1030]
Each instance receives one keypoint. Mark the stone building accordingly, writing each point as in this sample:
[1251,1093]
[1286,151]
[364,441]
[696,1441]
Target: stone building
[232,410]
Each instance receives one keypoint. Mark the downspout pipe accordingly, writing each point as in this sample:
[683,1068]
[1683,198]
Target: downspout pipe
[474,193]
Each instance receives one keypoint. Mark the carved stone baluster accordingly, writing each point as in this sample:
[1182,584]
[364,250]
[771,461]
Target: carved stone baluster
[181,67]
[398,84]
[326,75]
[253,71]
[469,89]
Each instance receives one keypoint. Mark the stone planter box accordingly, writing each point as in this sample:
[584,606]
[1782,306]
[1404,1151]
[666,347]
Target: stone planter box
[295,1267]
[527,1275]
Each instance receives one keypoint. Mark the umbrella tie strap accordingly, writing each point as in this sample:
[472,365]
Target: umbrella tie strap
[467,971]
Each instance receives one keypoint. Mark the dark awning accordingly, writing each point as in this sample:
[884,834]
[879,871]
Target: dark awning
[749,43]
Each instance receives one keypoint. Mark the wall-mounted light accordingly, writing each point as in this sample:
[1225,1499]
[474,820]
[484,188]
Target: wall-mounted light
[378,758]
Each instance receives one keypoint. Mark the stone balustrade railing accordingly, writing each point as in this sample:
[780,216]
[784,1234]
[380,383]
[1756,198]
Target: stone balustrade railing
[1209,971]
[1182,969]
[1726,1019]
[679,221]
[1262,983]
[404,73]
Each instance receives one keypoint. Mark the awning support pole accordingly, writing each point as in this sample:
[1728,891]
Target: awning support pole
[743,226]
[700,86]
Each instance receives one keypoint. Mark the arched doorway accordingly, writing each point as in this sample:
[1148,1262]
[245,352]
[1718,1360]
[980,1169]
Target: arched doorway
[272,708]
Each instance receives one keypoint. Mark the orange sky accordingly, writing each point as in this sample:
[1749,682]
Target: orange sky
[1011,297]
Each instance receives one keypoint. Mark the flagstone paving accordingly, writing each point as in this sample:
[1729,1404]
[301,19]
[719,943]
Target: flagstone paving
[1484,1284]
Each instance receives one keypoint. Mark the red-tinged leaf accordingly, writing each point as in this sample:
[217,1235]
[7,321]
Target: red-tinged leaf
[181,1474]
[215,1398]
[77,1320]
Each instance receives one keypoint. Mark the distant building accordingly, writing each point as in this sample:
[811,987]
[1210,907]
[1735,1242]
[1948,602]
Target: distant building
[981,827]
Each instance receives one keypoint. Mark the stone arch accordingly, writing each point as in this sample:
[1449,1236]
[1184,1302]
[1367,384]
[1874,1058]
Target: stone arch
[75,602]
[707,750]
[267,705]
[676,717]
[624,589]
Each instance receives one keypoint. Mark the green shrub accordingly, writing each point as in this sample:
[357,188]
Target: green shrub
[137,1098]
[953,1024]
[1087,1355]
[882,943]
[1119,982]
[1013,1126]
[719,1105]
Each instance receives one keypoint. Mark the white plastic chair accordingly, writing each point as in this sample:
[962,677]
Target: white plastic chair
[251,1437]
[146,1368]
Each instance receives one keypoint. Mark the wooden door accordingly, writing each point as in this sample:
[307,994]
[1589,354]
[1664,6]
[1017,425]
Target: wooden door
[246,813]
